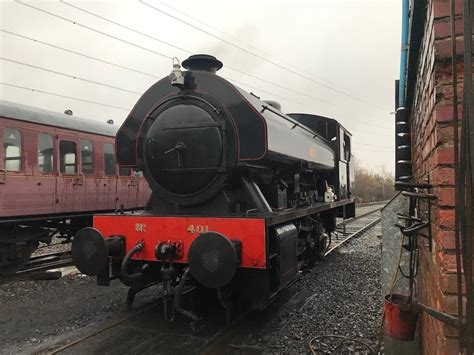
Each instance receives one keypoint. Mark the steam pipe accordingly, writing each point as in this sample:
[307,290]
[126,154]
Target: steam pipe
[404,54]
[177,296]
[129,279]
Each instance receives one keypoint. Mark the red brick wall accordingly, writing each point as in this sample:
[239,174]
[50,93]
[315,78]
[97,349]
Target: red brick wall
[433,159]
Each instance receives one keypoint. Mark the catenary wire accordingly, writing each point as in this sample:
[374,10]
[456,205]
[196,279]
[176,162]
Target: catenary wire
[114,37]
[184,49]
[133,44]
[93,29]
[103,104]
[125,67]
[68,75]
[228,67]
[258,56]
[63,96]
[78,53]
[260,49]
[124,26]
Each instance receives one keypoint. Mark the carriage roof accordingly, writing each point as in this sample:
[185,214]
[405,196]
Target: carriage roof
[36,115]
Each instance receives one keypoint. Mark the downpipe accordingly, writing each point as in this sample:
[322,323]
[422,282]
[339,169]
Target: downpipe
[403,54]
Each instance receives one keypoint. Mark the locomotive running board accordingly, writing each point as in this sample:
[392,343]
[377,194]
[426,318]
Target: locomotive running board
[285,216]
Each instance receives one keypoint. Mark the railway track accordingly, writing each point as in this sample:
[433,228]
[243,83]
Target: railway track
[43,263]
[354,227]
[144,331]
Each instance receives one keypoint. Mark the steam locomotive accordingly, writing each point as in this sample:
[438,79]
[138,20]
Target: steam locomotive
[243,195]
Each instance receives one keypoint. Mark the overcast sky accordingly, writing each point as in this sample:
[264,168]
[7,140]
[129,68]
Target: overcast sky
[337,58]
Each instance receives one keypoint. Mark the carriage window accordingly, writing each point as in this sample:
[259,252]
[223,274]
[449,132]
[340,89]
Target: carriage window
[45,153]
[87,157]
[124,171]
[109,159]
[12,149]
[67,151]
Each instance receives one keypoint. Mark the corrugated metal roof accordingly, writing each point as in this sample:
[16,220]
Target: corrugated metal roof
[36,115]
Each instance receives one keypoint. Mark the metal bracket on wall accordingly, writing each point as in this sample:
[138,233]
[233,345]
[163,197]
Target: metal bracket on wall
[416,221]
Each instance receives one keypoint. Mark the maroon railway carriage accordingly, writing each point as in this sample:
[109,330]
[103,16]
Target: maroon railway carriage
[243,195]
[56,171]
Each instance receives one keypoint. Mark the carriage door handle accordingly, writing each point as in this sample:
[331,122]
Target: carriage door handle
[133,181]
[80,179]
[3,176]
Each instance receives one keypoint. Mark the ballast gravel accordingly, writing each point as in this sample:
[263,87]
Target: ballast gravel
[340,296]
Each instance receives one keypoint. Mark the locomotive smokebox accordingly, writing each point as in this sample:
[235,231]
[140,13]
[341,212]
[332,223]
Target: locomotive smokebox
[213,259]
[203,62]
[91,251]
[186,150]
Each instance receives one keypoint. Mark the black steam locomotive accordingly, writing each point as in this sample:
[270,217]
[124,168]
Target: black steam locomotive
[244,196]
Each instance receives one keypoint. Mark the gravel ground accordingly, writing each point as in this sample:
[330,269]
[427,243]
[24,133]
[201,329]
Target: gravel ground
[36,314]
[341,296]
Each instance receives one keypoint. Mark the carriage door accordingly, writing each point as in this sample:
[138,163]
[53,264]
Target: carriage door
[44,175]
[90,175]
[126,186]
[70,187]
[110,178]
[143,190]
[13,179]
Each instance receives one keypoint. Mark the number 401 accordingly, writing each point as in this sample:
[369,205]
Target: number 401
[197,229]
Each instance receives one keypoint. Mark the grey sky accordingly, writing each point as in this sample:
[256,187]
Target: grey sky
[350,46]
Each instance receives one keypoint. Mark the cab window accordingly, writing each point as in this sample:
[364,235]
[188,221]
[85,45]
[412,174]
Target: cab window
[45,153]
[109,159]
[67,152]
[87,157]
[12,149]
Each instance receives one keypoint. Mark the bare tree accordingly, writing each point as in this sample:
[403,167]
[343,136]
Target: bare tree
[373,184]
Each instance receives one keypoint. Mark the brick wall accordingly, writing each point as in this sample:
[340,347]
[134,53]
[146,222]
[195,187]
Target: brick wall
[433,158]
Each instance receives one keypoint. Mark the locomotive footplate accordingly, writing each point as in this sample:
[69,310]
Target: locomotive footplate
[293,214]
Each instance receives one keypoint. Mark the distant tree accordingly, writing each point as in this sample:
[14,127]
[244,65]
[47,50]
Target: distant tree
[373,185]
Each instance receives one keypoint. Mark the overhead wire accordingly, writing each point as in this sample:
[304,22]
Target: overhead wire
[93,29]
[234,37]
[63,96]
[184,49]
[149,50]
[78,53]
[124,26]
[69,75]
[190,52]
[125,67]
[258,56]
[112,36]
[262,90]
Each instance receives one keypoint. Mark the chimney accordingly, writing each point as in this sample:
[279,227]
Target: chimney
[203,62]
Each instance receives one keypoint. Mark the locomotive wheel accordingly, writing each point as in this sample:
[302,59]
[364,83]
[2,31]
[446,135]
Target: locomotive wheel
[14,256]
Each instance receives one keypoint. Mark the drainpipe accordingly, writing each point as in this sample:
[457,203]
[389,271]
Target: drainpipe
[404,53]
